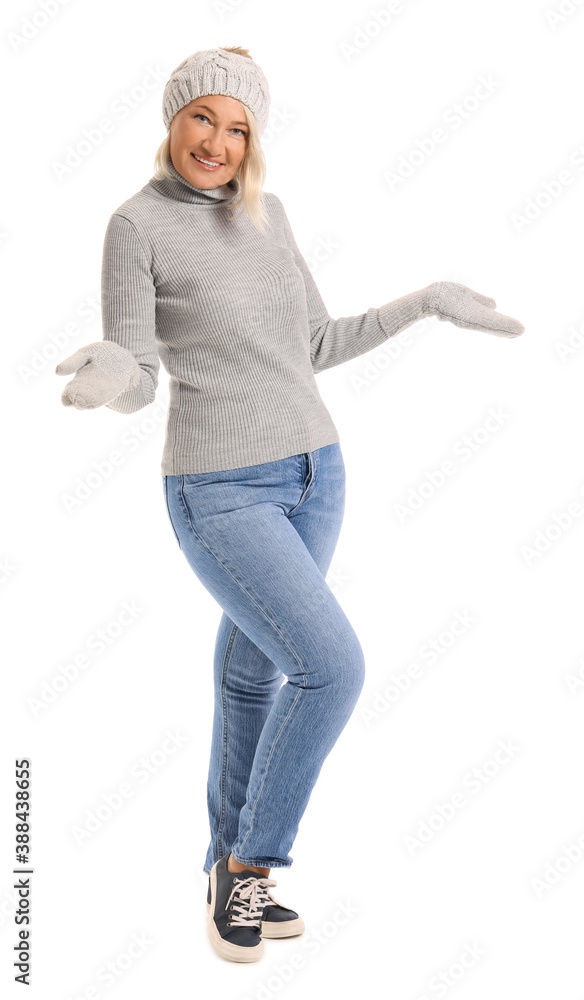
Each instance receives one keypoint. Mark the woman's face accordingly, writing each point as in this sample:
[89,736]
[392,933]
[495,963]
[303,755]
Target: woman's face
[213,127]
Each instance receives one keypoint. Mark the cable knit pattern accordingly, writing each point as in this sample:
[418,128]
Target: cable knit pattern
[236,318]
[215,71]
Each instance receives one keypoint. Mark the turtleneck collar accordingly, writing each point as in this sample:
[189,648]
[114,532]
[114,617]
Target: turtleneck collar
[178,187]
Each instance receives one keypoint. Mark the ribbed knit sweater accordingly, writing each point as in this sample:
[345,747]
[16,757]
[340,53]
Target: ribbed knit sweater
[237,320]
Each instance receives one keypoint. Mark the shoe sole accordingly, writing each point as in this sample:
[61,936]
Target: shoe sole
[282,929]
[274,928]
[226,949]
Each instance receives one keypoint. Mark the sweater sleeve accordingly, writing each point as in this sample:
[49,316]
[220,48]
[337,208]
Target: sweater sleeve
[333,341]
[128,306]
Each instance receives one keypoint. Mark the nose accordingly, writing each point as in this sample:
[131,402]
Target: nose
[218,155]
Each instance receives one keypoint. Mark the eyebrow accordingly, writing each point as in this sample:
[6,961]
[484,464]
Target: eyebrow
[213,113]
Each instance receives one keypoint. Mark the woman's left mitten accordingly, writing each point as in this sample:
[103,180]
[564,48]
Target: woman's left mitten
[469,309]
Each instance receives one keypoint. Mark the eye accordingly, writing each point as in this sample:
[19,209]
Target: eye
[240,130]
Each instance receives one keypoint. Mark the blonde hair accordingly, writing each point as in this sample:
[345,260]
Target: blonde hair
[251,174]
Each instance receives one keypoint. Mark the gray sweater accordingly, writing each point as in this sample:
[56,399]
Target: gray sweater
[236,319]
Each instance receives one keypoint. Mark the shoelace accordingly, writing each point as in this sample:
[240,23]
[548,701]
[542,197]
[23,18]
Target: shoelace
[250,897]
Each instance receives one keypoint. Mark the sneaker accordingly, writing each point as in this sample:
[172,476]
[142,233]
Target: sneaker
[278,921]
[235,903]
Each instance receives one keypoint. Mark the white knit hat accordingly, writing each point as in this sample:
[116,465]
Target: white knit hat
[216,71]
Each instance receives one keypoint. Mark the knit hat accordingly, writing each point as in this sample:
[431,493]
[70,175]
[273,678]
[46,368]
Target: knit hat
[216,71]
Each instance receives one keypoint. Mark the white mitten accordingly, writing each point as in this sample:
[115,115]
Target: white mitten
[104,370]
[463,307]
[448,301]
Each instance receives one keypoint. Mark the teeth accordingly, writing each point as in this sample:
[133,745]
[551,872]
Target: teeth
[210,162]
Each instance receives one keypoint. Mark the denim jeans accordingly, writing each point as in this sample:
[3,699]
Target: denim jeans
[288,666]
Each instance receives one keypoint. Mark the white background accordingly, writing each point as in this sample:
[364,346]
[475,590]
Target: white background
[351,96]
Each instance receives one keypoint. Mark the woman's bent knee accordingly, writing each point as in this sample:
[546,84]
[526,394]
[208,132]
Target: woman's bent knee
[339,666]
[354,669]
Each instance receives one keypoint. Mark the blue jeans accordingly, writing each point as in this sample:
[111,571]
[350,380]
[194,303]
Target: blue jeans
[288,667]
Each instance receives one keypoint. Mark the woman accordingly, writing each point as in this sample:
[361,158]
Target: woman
[201,270]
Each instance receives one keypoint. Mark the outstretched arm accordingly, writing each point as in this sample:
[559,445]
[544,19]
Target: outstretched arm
[334,341]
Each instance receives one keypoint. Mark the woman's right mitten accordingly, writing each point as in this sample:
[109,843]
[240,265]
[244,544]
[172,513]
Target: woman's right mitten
[103,370]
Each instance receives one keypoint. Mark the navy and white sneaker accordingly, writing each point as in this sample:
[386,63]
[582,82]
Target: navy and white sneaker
[235,904]
[278,921]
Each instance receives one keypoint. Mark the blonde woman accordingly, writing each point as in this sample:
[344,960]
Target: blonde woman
[201,271]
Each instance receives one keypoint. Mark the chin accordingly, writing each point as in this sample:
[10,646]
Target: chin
[200,178]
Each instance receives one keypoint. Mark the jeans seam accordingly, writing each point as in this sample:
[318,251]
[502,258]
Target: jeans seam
[247,593]
[265,771]
[224,767]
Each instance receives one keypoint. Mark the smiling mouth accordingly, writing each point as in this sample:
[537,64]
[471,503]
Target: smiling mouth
[207,164]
